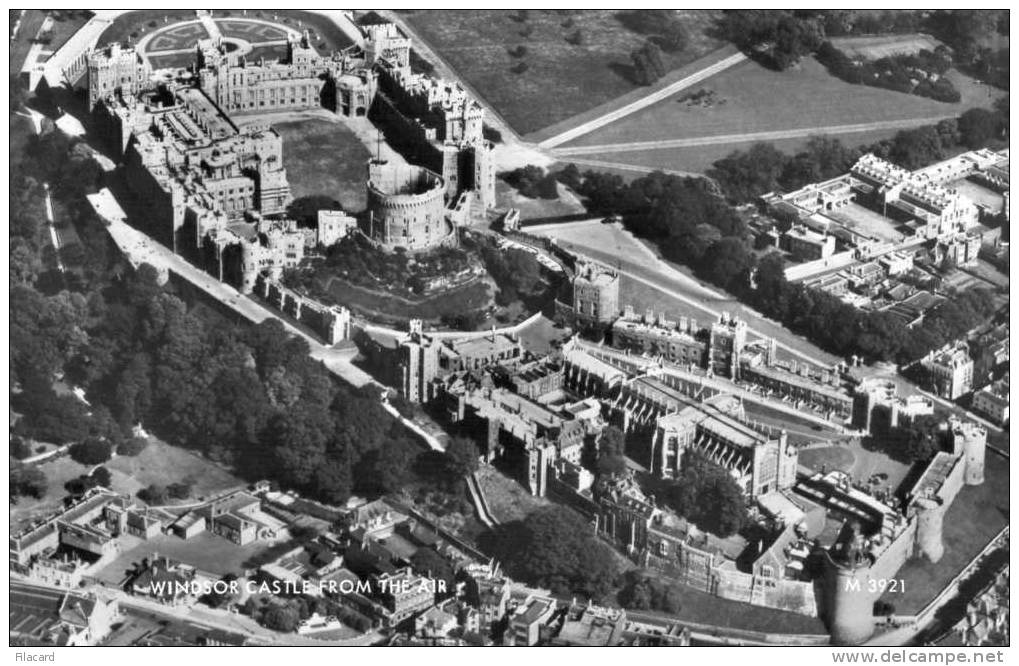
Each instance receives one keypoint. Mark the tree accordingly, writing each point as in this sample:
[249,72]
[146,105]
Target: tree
[92,451]
[427,562]
[101,476]
[978,126]
[462,454]
[728,262]
[153,494]
[179,490]
[26,480]
[612,452]
[923,438]
[707,495]
[555,547]
[132,446]
[284,618]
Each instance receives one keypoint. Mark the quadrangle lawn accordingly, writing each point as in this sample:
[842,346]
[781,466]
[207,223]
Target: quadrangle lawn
[325,158]
[562,79]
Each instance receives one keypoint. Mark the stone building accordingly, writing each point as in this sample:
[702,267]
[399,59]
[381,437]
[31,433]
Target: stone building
[683,342]
[727,339]
[113,69]
[759,462]
[343,83]
[949,371]
[406,208]
[595,294]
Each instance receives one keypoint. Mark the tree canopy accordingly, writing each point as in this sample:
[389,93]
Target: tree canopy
[707,495]
[554,547]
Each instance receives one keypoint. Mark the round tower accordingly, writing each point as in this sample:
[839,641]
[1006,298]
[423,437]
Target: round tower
[850,604]
[849,589]
[930,514]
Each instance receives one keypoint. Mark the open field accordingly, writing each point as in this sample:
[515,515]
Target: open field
[165,464]
[31,21]
[579,77]
[883,46]
[750,99]
[973,519]
[325,158]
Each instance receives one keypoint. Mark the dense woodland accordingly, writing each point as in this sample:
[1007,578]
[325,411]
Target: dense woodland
[246,396]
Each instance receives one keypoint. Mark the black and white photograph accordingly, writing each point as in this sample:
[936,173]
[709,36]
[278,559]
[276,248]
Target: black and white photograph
[436,328]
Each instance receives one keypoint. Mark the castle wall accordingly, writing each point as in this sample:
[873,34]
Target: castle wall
[330,323]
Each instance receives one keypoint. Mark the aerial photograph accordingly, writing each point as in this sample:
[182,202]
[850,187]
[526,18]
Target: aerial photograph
[512,327]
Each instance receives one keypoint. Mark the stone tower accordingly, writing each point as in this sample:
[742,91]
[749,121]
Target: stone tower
[969,441]
[848,599]
[930,513]
[115,68]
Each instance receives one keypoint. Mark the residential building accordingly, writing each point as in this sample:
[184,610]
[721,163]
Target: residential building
[682,343]
[525,626]
[43,617]
[807,245]
[992,401]
[949,371]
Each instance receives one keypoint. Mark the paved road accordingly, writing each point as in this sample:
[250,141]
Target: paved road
[747,137]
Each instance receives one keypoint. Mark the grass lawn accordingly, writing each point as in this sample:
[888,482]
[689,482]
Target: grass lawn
[325,158]
[539,336]
[701,607]
[135,25]
[463,299]
[172,60]
[576,77]
[58,472]
[19,48]
[698,159]
[507,196]
[206,552]
[973,519]
[829,457]
[752,98]
[165,464]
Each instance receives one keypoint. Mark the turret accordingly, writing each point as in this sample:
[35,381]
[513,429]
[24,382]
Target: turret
[930,514]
